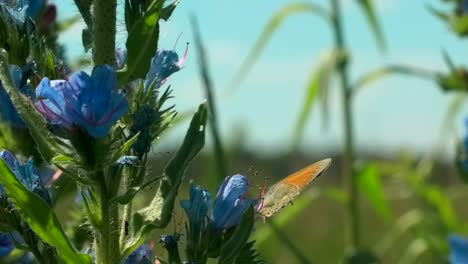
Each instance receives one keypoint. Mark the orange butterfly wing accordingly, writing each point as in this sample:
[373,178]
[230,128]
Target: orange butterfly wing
[303,177]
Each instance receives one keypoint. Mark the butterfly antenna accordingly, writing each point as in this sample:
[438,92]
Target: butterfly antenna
[261,198]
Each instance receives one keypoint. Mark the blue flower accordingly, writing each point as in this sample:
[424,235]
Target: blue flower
[458,249]
[8,111]
[197,206]
[25,173]
[90,102]
[230,202]
[142,255]
[6,244]
[163,65]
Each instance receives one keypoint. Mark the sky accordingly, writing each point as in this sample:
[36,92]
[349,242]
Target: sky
[398,113]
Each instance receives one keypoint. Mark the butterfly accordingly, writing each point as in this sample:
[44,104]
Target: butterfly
[286,190]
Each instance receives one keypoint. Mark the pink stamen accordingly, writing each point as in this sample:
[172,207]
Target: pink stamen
[181,61]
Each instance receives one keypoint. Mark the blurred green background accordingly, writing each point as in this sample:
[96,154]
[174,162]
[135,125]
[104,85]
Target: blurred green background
[405,127]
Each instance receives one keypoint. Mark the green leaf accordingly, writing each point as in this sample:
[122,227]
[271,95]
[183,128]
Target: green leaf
[368,180]
[130,193]
[167,11]
[39,217]
[91,206]
[233,247]
[435,197]
[271,27]
[248,255]
[368,8]
[390,70]
[123,148]
[142,43]
[36,124]
[318,85]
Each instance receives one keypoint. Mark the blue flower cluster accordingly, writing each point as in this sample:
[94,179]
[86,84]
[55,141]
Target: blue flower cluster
[229,205]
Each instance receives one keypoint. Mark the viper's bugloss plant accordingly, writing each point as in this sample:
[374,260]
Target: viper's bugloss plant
[95,130]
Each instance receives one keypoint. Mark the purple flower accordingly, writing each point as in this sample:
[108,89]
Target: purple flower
[458,249]
[230,202]
[163,65]
[196,208]
[26,174]
[90,102]
[142,255]
[6,244]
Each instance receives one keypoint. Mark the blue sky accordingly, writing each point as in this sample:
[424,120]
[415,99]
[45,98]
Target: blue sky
[397,113]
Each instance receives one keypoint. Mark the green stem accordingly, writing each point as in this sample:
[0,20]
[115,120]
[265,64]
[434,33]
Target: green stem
[104,29]
[348,175]
[107,241]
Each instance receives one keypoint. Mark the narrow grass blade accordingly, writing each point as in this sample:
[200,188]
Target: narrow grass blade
[368,8]
[209,92]
[390,70]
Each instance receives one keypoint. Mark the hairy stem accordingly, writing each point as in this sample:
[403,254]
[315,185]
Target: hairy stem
[107,241]
[348,174]
[104,29]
